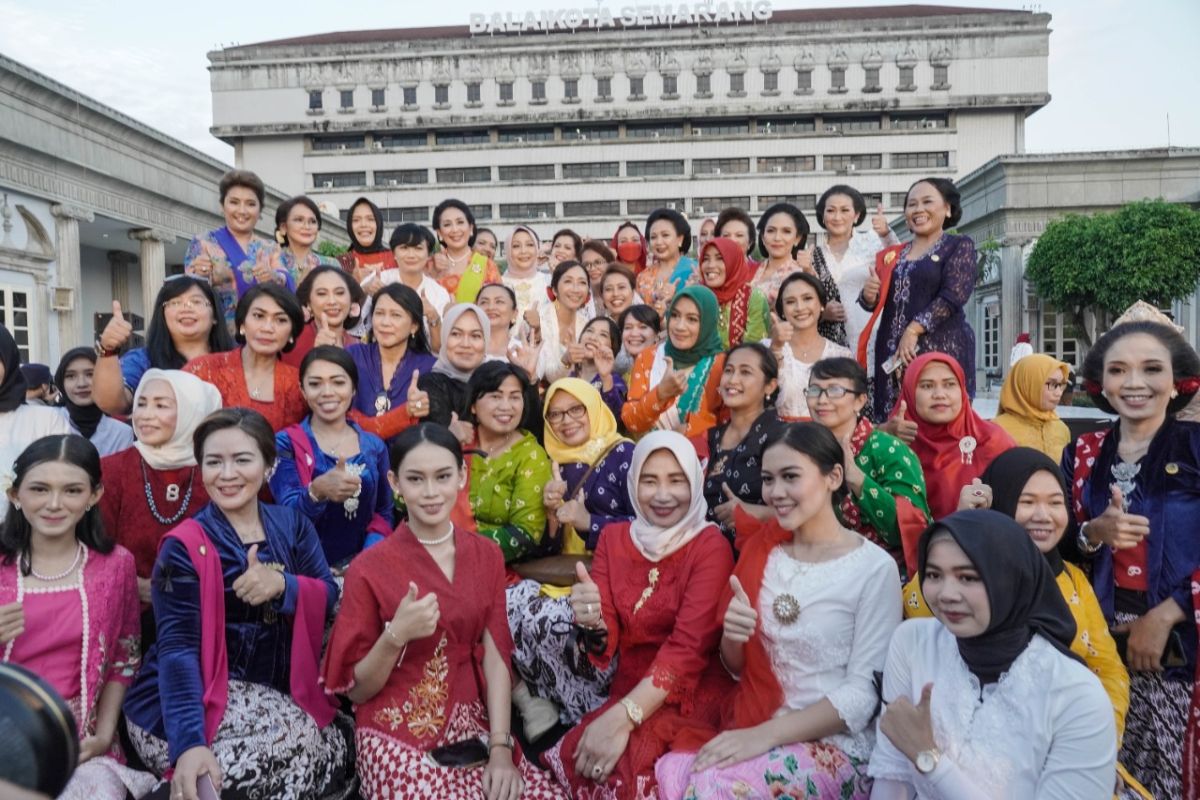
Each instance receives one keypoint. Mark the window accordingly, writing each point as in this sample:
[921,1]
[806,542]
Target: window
[721,127]
[444,138]
[481,213]
[720,166]
[941,76]
[637,89]
[525,211]
[401,177]
[898,199]
[405,214]
[338,180]
[737,83]
[907,81]
[347,96]
[517,135]
[787,163]
[670,86]
[637,208]
[527,172]
[785,126]
[316,100]
[803,80]
[14,315]
[872,79]
[837,79]
[325,143]
[919,121]
[604,88]
[441,94]
[401,139]
[570,88]
[378,98]
[853,124]
[801,201]
[704,85]
[840,162]
[591,169]
[506,91]
[464,175]
[712,205]
[991,335]
[641,169]
[771,82]
[539,91]
[593,208]
[657,130]
[1060,337]
[920,160]
[473,92]
[585,133]
[410,97]
[872,199]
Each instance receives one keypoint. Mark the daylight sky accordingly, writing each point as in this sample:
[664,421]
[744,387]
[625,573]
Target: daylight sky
[1118,68]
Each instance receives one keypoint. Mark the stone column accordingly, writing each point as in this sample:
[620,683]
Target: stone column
[153,256]
[1012,298]
[69,270]
[119,263]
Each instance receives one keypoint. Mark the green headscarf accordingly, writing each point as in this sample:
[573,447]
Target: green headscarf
[708,343]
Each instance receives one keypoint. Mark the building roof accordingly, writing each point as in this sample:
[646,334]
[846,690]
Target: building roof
[797,15]
[1079,156]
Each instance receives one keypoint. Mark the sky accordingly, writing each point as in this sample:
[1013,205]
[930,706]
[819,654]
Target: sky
[1118,69]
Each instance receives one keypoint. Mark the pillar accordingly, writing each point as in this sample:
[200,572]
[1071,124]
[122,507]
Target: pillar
[152,253]
[1012,298]
[119,263]
[69,272]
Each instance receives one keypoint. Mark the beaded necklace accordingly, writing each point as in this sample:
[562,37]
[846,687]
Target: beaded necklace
[187,498]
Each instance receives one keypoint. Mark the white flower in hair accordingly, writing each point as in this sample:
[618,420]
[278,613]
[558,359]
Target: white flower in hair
[7,478]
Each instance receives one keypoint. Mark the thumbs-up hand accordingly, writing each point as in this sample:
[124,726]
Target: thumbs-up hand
[585,599]
[740,617]
[804,260]
[12,622]
[574,513]
[879,222]
[415,618]
[327,334]
[1116,527]
[438,265]
[853,474]
[782,331]
[576,353]
[337,485]
[259,583]
[724,512]
[555,490]
[263,270]
[463,431]
[870,290]
[417,401]
[834,311]
[672,383]
[909,727]
[201,266]
[900,425]
[117,332]
[976,494]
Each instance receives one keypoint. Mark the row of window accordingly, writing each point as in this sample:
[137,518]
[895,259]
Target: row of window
[633,169]
[668,129]
[506,93]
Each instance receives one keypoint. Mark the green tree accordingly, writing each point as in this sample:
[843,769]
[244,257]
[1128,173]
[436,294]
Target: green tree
[1148,250]
[329,249]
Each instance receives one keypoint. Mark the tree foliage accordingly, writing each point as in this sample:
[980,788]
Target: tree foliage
[1148,250]
[329,249]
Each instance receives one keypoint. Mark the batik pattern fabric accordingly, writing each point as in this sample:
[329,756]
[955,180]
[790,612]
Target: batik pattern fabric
[829,329]
[739,467]
[228,278]
[802,771]
[506,496]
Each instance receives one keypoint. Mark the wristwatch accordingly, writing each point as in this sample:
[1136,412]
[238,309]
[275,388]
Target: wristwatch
[104,352]
[1085,544]
[927,760]
[501,740]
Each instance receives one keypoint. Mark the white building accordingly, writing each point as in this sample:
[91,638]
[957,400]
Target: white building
[599,124]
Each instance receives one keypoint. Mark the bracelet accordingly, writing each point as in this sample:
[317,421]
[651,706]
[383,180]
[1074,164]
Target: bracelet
[312,496]
[1086,546]
[506,740]
[104,352]
[634,711]
[387,629]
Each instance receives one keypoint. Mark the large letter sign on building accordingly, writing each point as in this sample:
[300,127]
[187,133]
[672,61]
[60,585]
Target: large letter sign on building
[570,19]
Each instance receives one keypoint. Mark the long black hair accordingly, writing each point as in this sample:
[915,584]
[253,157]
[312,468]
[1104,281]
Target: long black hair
[818,443]
[410,301]
[160,348]
[16,533]
[422,433]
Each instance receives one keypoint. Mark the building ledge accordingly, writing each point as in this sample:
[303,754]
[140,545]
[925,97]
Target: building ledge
[604,99]
[378,109]
[671,96]
[770,93]
[315,112]
[538,101]
[736,94]
[703,95]
[344,110]
[872,89]
[570,101]
[474,104]
[802,91]
[838,90]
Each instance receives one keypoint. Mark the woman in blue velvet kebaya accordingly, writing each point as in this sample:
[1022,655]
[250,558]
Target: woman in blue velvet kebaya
[241,593]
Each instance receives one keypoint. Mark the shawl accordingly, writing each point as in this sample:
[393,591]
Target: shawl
[443,365]
[700,355]
[86,419]
[472,279]
[735,291]
[1021,393]
[1008,474]
[1022,593]
[654,542]
[947,466]
[602,425]
[12,384]
[376,246]
[194,400]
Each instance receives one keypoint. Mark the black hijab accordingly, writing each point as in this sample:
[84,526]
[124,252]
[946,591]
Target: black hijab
[1021,591]
[86,419]
[376,246]
[12,388]
[1007,475]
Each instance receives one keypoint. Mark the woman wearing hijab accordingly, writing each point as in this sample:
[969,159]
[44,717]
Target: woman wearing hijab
[630,247]
[74,376]
[1028,400]
[674,386]
[650,600]
[20,425]
[522,275]
[466,331]
[745,314]
[368,255]
[988,699]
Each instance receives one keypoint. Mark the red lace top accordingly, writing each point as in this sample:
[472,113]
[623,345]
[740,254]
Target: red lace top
[224,371]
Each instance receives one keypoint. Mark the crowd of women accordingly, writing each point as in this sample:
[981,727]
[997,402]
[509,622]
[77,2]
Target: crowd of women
[669,510]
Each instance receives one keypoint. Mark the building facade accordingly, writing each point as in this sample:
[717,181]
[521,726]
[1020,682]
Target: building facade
[591,126]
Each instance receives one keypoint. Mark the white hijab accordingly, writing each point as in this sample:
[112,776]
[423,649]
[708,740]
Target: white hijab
[194,400]
[652,541]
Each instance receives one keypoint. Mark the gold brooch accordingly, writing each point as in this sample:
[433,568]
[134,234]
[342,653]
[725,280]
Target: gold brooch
[890,257]
[649,590]
[786,608]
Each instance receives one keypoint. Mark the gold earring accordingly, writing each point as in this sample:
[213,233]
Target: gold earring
[16,505]
[280,237]
[1174,394]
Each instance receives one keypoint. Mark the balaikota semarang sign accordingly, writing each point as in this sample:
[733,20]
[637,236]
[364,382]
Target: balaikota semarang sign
[600,17]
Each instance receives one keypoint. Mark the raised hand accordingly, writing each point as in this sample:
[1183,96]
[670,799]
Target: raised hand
[439,265]
[1116,527]
[673,382]
[724,512]
[463,431]
[853,474]
[585,599]
[804,260]
[908,727]
[525,355]
[417,401]
[782,331]
[415,618]
[900,425]
[870,290]
[574,513]
[555,490]
[326,333]
[337,485]
[259,583]
[263,271]
[605,360]
[12,622]
[118,331]
[576,353]
[201,266]
[834,312]
[740,617]
[977,494]
[879,223]
[432,315]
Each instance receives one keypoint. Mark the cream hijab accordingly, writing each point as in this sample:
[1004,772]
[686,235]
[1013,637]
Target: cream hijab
[194,400]
[652,541]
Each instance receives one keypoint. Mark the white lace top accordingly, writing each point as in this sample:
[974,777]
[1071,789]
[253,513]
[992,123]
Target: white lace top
[793,379]
[530,291]
[852,272]
[1044,730]
[848,609]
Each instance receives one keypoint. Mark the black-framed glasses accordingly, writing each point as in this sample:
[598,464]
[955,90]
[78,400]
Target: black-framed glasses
[1056,386]
[574,412]
[832,392]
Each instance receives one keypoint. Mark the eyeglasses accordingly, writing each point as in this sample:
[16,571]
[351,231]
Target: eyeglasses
[832,392]
[574,412]
[189,303]
[1056,386]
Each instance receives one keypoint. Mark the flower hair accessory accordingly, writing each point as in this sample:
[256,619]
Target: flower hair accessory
[1188,385]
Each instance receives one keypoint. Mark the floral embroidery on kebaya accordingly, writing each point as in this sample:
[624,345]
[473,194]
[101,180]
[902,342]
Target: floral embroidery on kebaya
[425,708]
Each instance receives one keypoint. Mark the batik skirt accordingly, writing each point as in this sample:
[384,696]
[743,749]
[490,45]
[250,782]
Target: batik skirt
[807,770]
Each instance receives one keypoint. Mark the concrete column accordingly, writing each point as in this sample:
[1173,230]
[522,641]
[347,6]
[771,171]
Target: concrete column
[69,270]
[1012,298]
[152,254]
[119,263]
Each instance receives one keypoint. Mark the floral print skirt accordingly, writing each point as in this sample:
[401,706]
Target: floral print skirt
[802,771]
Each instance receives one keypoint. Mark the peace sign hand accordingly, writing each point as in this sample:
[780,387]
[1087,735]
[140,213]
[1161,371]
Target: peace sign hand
[417,401]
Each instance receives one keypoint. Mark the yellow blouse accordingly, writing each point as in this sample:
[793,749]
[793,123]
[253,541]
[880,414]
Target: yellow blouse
[1050,436]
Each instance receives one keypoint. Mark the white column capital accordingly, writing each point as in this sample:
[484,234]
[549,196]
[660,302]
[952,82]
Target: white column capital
[77,213]
[151,235]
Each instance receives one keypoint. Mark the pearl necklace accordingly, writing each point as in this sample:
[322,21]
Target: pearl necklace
[437,541]
[187,498]
[59,576]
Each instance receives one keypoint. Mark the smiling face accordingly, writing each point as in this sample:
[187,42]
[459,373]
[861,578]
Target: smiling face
[743,383]
[637,336]
[428,481]
[563,249]
[665,243]
[363,225]
[835,413]
[1052,391]
[233,469]
[454,229]
[793,486]
[267,327]
[925,209]
[241,209]
[77,381]
[780,236]
[1138,379]
[327,390]
[617,294]
[801,305]
[683,324]
[839,215]
[54,496]
[301,226]
[736,230]
[953,589]
[523,253]
[391,324]
[465,345]
[189,316]
[712,268]
[1042,510]
[663,491]
[939,394]
[595,265]
[330,298]
[486,243]
[155,414]
[411,258]
[573,288]
[499,412]
[568,418]
[595,336]
[497,303]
